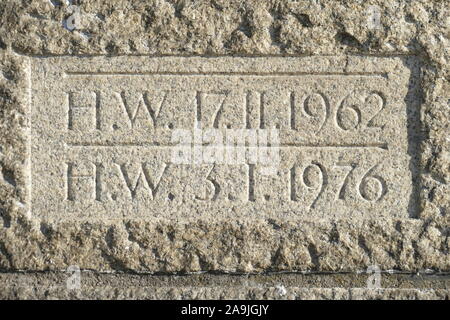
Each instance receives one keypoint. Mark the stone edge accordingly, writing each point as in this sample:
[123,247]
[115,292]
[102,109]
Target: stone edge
[26,243]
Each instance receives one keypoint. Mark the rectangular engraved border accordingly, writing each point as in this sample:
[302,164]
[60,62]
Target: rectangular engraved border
[411,128]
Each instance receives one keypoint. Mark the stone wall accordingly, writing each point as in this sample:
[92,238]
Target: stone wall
[419,241]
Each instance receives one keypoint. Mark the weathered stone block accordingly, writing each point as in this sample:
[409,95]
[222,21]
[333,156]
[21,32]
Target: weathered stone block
[116,121]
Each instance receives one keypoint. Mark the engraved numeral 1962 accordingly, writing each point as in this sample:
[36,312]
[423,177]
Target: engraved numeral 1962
[348,114]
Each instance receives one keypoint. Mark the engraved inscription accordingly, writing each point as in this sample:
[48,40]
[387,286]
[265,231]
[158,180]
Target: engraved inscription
[300,111]
[186,137]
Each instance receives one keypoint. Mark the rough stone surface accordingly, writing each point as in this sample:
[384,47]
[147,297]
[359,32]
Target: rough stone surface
[344,146]
[52,285]
[224,28]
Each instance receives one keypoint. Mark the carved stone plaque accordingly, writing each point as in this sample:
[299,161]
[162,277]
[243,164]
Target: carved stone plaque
[186,137]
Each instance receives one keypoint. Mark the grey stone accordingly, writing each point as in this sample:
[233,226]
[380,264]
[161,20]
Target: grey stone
[407,230]
[92,285]
[105,132]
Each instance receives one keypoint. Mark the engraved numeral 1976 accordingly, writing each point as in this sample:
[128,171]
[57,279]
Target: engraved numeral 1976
[314,178]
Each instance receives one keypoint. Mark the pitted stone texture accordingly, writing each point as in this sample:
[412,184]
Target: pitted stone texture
[105,132]
[268,287]
[219,293]
[14,129]
[249,245]
[225,28]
